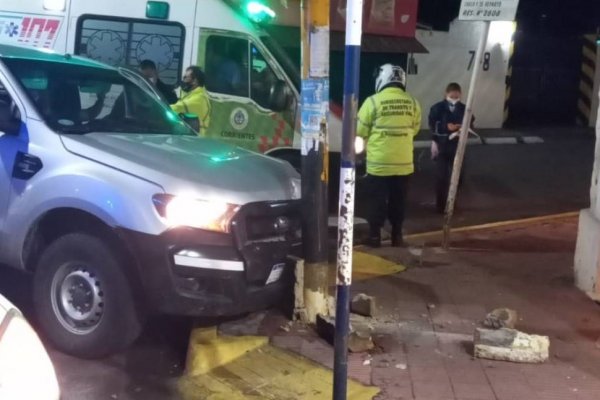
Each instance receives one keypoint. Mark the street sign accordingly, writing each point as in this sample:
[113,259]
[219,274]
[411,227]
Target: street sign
[488,10]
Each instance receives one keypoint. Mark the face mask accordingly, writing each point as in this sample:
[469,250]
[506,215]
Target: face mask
[452,101]
[186,87]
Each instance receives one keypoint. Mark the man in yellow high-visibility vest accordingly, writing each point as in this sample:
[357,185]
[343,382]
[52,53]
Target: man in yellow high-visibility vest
[388,121]
[194,98]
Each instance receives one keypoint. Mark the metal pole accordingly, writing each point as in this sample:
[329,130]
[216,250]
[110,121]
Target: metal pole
[464,135]
[314,150]
[346,202]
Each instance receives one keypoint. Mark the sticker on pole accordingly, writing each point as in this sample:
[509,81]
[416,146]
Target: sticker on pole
[315,108]
[488,10]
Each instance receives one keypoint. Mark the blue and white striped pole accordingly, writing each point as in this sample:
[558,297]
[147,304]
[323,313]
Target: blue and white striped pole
[354,11]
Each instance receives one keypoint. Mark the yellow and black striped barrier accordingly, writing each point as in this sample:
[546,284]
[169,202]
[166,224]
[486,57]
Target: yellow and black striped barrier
[511,53]
[586,84]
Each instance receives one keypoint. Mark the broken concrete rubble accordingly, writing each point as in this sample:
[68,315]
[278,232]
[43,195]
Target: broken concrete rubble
[359,340]
[501,318]
[363,305]
[326,328]
[248,326]
[511,345]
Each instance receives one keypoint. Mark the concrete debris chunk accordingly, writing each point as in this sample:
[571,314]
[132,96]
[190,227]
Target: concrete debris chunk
[501,318]
[363,305]
[326,328]
[248,326]
[511,345]
[360,342]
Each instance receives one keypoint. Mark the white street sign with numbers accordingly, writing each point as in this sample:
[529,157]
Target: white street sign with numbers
[488,10]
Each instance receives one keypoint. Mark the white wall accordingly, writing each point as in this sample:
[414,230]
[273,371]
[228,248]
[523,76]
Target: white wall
[448,60]
[587,252]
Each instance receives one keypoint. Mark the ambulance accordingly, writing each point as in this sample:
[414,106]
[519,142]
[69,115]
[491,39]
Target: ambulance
[253,84]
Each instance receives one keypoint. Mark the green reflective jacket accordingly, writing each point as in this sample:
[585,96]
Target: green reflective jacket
[389,121]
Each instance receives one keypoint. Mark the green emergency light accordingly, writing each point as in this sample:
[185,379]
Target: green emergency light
[157,10]
[258,12]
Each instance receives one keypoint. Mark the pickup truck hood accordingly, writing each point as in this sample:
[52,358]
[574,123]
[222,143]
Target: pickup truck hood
[205,168]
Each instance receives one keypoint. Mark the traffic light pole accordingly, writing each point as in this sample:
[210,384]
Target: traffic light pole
[346,202]
[314,149]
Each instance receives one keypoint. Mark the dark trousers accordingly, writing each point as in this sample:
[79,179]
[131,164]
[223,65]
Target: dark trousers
[444,164]
[387,199]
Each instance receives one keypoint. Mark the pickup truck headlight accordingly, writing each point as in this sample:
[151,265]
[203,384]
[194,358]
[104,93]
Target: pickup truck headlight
[202,214]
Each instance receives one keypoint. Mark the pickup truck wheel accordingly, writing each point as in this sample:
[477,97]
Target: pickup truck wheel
[83,299]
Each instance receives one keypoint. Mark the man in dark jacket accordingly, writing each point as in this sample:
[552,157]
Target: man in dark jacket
[445,121]
[148,69]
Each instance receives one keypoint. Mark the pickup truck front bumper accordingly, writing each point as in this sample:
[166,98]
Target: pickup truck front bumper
[187,271]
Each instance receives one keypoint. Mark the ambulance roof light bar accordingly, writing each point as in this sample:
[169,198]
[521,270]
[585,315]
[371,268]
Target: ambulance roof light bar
[259,12]
[157,10]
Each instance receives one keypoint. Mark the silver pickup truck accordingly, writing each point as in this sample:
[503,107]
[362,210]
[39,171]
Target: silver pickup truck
[119,210]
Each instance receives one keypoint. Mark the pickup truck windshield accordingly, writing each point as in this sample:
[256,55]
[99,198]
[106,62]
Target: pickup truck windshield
[75,98]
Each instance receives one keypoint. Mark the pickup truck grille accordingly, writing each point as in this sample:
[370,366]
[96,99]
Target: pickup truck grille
[266,233]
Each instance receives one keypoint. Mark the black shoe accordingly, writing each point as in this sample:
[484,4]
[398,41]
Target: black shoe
[397,237]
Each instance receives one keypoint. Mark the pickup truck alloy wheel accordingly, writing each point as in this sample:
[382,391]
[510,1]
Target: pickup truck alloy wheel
[83,298]
[77,298]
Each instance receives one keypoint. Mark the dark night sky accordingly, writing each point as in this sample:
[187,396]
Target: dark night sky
[553,16]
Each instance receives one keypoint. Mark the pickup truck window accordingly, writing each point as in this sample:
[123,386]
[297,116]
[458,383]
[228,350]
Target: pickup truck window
[75,98]
[127,42]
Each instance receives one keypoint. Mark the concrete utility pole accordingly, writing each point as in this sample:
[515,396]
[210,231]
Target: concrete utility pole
[314,149]
[499,10]
[346,203]
[464,136]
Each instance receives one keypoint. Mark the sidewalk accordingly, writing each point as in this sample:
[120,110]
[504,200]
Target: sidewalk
[427,315]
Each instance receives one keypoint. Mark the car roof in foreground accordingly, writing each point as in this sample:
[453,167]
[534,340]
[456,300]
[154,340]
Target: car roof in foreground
[7,51]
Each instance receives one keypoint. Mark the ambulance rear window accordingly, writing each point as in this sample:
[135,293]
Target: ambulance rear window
[126,42]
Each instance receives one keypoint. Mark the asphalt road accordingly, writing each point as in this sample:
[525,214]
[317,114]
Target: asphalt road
[502,182]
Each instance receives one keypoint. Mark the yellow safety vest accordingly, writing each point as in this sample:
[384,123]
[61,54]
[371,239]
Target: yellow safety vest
[195,102]
[389,121]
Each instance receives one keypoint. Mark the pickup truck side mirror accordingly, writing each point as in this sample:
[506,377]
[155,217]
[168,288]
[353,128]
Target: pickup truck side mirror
[10,118]
[192,120]
[279,96]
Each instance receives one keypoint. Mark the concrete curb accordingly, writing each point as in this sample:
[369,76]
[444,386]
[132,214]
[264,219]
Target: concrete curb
[499,224]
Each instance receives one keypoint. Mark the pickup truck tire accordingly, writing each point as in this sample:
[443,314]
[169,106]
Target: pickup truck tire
[82,297]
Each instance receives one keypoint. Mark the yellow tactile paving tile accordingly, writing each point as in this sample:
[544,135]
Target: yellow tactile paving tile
[268,373]
[217,350]
[368,266]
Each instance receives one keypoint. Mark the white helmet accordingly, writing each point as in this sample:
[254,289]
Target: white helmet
[387,74]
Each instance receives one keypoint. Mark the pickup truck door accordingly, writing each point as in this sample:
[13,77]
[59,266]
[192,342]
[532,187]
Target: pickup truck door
[12,146]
